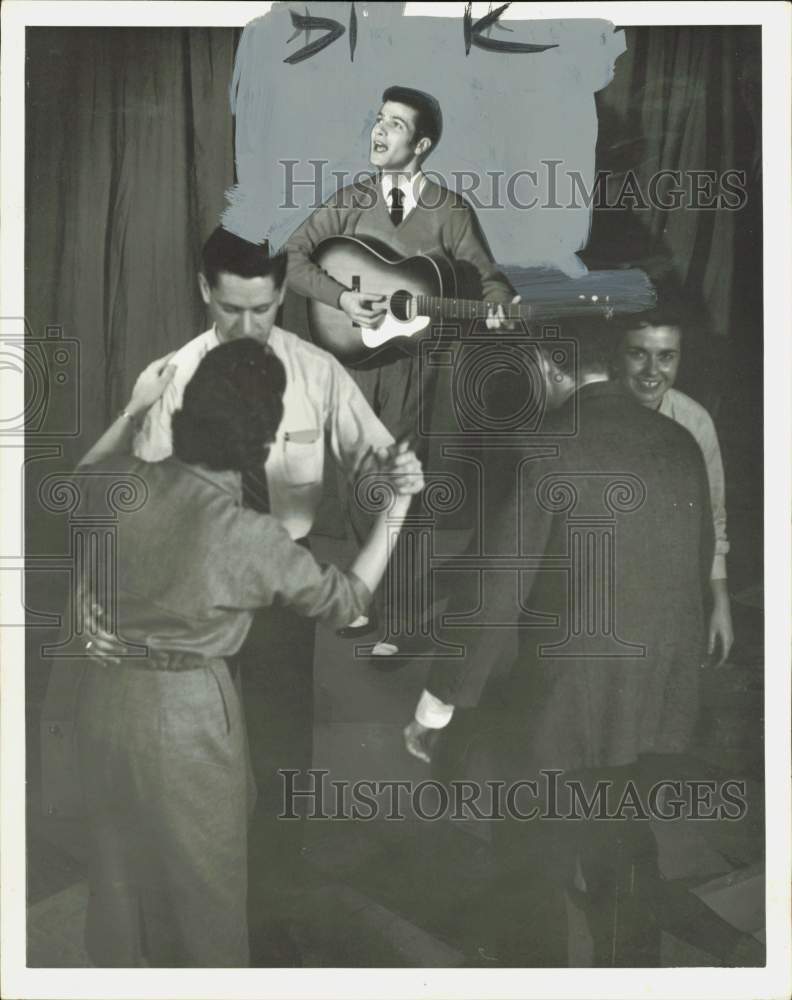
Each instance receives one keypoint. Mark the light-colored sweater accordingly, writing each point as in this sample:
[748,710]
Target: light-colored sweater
[694,418]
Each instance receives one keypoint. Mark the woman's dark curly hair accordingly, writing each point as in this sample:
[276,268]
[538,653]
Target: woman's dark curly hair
[232,407]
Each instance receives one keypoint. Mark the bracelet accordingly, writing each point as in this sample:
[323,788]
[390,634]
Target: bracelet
[128,416]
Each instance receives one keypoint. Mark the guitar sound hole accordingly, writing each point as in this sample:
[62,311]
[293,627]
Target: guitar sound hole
[400,304]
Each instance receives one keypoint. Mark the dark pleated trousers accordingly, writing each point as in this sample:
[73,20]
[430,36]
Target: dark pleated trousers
[276,667]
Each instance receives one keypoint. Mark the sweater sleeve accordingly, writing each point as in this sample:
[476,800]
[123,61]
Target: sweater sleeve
[469,245]
[710,449]
[303,275]
[268,567]
[695,419]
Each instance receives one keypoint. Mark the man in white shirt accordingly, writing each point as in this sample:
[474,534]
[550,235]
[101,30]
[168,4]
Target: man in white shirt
[243,287]
[320,396]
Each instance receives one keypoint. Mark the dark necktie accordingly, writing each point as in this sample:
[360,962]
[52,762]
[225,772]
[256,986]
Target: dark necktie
[397,206]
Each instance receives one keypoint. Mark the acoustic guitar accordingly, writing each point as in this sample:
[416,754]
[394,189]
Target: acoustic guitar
[421,291]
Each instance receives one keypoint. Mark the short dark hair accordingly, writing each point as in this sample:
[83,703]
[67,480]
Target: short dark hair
[665,313]
[673,305]
[225,251]
[429,117]
[595,341]
[232,407]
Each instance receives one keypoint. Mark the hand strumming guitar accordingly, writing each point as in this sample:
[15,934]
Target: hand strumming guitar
[361,307]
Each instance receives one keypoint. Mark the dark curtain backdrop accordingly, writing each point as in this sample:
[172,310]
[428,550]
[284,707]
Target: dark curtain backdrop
[689,98]
[129,152]
[129,146]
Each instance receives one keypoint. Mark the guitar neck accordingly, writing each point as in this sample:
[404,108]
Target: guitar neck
[439,307]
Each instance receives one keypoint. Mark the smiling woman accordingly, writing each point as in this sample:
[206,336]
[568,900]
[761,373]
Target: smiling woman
[649,361]
[647,364]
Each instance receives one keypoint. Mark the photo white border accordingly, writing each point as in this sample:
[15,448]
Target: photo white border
[717,983]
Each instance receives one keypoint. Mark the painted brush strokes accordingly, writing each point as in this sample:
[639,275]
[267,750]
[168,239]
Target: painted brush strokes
[516,94]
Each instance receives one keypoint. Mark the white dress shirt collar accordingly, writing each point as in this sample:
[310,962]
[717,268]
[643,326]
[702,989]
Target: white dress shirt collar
[410,188]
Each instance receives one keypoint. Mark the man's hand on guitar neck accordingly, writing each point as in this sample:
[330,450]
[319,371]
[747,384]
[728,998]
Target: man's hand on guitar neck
[496,318]
[363,308]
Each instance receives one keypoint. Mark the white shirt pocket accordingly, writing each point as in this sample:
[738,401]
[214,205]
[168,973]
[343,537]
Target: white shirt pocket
[303,455]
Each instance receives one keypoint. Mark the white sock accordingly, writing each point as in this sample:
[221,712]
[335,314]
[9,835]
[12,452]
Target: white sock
[384,649]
